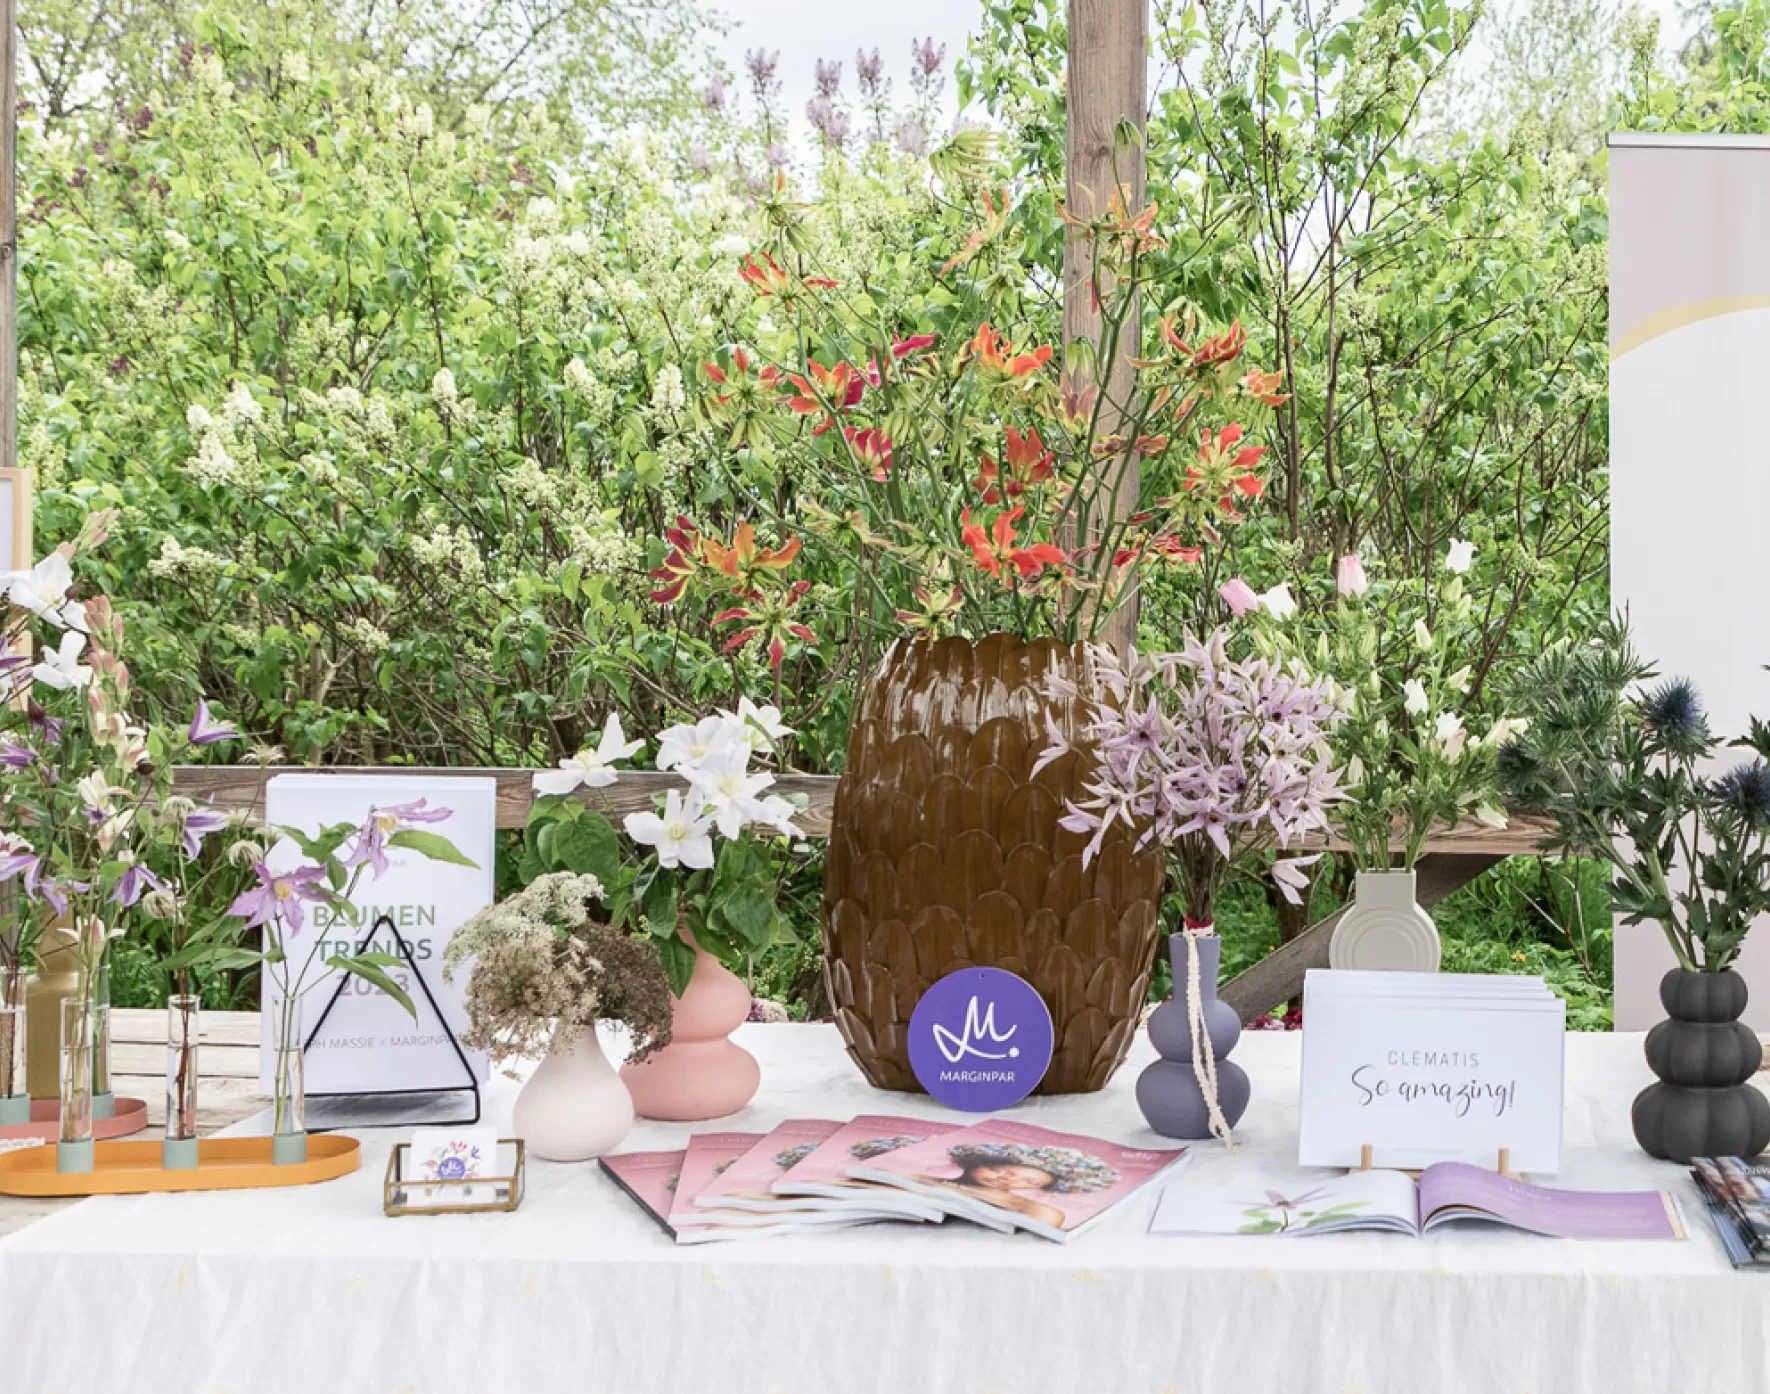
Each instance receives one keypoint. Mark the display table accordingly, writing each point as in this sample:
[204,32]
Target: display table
[314,1291]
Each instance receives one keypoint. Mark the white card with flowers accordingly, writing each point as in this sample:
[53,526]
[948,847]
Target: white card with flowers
[370,1044]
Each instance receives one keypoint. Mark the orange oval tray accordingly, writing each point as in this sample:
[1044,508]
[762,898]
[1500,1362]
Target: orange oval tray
[130,1168]
[130,1117]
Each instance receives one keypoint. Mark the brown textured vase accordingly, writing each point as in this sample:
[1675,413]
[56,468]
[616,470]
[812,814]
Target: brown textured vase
[945,853]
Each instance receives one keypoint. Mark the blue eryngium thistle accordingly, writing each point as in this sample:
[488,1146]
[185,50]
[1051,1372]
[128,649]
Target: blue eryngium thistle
[1673,713]
[1745,791]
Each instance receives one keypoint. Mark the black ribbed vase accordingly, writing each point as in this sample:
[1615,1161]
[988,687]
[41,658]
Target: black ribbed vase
[1704,1056]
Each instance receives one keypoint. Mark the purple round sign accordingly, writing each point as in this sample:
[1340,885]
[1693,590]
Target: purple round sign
[980,1039]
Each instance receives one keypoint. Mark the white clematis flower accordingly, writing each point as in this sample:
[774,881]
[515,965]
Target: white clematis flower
[722,780]
[1416,702]
[761,727]
[678,837]
[61,667]
[1449,735]
[1461,556]
[43,590]
[682,746]
[593,769]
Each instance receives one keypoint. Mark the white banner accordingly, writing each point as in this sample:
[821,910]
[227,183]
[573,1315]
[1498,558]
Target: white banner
[1689,455]
[368,1042]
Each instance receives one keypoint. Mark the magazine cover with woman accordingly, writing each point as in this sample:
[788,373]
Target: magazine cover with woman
[1051,1184]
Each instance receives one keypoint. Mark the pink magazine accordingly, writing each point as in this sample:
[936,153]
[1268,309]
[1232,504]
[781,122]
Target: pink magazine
[650,1178]
[744,1185]
[825,1172]
[1051,1184]
[708,1157]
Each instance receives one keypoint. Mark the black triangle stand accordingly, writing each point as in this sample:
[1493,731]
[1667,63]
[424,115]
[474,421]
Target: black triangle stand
[335,1109]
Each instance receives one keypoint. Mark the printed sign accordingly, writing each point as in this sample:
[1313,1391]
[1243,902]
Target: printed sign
[368,1043]
[1431,1067]
[981,1039]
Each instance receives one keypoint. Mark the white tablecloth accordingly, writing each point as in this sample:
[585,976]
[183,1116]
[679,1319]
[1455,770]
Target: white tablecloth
[314,1291]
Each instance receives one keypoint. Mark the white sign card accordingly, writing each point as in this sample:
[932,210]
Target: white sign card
[369,1043]
[1429,1067]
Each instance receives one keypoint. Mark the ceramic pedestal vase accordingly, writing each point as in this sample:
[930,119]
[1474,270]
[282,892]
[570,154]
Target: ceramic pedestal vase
[1385,928]
[574,1107]
[1168,1091]
[945,853]
[1704,1104]
[701,1074]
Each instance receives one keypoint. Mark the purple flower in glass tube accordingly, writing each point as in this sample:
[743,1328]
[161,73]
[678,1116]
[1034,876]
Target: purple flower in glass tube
[206,730]
[279,894]
[17,859]
[198,824]
[135,882]
[371,839]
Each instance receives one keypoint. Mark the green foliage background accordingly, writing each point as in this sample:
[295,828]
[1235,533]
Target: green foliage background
[384,330]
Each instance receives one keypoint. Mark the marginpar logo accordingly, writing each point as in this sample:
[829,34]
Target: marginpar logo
[978,1027]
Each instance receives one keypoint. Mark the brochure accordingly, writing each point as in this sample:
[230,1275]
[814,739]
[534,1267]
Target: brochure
[1737,1195]
[1051,1184]
[1446,1193]
[745,1183]
[650,1178]
[824,1173]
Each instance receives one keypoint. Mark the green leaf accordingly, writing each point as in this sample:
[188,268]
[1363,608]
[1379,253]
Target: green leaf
[433,845]
[373,974]
[678,961]
[588,846]
[751,914]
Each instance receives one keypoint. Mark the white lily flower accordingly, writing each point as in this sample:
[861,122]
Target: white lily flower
[61,667]
[593,769]
[1461,556]
[679,838]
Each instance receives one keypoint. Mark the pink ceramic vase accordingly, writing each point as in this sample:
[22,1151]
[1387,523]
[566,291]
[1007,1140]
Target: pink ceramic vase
[701,1073]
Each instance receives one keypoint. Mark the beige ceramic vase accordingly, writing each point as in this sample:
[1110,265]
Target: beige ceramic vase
[702,1073]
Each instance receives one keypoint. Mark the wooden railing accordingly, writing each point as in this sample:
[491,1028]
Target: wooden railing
[1454,855]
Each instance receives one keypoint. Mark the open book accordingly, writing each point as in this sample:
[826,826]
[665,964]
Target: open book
[1051,1184]
[1391,1200]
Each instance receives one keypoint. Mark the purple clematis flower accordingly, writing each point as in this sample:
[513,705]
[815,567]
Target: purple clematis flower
[21,861]
[135,882]
[383,823]
[16,757]
[206,730]
[279,894]
[198,825]
[55,893]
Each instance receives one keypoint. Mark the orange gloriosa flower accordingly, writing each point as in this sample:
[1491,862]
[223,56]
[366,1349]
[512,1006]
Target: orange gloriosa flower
[994,548]
[1027,463]
[999,360]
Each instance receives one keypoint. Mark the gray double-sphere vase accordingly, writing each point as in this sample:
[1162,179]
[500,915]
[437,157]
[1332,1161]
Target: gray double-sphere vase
[1704,1055]
[1168,1091]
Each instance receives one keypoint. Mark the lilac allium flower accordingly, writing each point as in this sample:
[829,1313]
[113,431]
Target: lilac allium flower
[829,78]
[926,57]
[371,839]
[205,730]
[198,824]
[279,894]
[700,160]
[831,124]
[713,99]
[778,155]
[1209,758]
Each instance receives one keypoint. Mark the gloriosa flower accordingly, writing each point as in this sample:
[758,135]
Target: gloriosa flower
[995,548]
[998,359]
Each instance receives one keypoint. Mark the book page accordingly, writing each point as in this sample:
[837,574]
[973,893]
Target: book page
[1453,1191]
[1361,1200]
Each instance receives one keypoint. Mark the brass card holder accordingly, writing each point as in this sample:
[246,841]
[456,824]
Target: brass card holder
[469,1196]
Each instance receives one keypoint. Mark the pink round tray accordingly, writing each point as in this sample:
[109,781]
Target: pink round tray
[130,1117]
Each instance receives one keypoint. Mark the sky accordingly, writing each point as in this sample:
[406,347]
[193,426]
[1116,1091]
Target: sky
[802,31]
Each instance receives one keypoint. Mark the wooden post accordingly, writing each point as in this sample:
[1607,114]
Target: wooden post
[1108,67]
